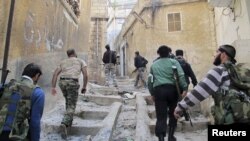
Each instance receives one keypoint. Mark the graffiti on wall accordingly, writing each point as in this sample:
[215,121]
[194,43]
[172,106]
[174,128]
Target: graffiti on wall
[31,35]
[35,36]
[52,44]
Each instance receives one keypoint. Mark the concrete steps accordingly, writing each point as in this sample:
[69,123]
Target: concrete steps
[147,119]
[90,120]
[97,113]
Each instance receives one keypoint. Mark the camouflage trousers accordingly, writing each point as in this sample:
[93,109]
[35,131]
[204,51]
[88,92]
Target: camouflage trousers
[110,74]
[70,92]
[140,75]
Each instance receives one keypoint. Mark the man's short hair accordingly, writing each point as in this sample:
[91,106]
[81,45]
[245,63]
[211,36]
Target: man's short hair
[137,53]
[107,47]
[163,51]
[32,70]
[179,52]
[71,52]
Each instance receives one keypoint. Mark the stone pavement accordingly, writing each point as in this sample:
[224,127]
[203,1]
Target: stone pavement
[146,119]
[117,114]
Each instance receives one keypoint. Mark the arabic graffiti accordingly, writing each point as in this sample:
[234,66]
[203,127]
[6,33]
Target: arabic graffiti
[34,36]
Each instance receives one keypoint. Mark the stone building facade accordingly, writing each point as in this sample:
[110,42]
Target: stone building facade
[232,24]
[172,23]
[42,31]
[183,24]
[97,40]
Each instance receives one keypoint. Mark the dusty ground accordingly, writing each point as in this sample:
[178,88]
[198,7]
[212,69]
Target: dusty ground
[126,124]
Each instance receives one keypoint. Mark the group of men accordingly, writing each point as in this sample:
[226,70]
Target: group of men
[166,88]
[140,64]
[21,92]
[69,71]
[166,91]
[171,96]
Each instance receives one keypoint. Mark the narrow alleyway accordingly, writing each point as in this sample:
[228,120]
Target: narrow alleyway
[94,107]
[41,32]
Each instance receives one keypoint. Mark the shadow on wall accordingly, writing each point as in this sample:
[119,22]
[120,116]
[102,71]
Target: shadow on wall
[48,63]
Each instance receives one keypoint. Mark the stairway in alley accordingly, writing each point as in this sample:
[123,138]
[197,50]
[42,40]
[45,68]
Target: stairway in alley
[116,114]
[146,117]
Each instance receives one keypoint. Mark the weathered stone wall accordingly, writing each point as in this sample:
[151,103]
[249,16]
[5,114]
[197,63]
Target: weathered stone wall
[98,40]
[4,10]
[42,31]
[146,33]
[196,37]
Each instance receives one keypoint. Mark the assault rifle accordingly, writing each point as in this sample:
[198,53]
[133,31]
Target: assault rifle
[244,97]
[4,79]
[134,70]
[185,112]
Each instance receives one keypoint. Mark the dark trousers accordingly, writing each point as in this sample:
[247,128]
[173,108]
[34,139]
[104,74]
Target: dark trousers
[166,98]
[5,136]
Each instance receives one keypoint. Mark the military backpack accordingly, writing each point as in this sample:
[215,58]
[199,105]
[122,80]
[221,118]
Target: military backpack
[15,107]
[232,104]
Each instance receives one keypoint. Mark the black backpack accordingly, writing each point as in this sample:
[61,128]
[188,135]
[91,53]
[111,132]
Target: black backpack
[144,62]
[113,57]
[109,57]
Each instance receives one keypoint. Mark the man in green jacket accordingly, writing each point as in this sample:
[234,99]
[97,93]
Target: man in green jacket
[165,92]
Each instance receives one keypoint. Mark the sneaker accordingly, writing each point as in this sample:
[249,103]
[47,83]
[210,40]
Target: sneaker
[63,130]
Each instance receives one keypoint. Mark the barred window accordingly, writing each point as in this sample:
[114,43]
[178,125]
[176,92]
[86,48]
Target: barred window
[174,22]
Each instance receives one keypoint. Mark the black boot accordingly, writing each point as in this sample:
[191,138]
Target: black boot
[171,136]
[161,138]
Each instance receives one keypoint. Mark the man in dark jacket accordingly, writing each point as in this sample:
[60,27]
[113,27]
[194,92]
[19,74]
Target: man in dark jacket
[140,65]
[109,60]
[186,67]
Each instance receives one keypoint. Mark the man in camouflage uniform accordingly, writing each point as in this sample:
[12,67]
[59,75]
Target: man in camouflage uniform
[109,60]
[30,107]
[70,70]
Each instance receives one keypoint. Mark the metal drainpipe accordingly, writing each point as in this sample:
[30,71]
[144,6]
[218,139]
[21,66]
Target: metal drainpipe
[97,47]
[7,43]
[97,38]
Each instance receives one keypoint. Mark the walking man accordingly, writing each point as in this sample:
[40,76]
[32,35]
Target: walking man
[186,67]
[140,65]
[165,92]
[109,60]
[31,105]
[70,70]
[219,82]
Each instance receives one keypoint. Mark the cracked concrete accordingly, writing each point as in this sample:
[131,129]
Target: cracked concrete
[106,114]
